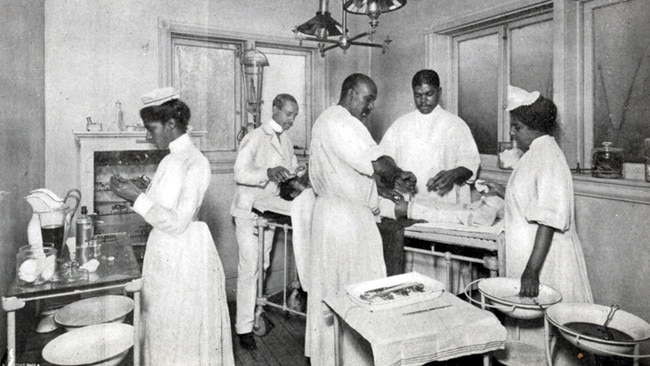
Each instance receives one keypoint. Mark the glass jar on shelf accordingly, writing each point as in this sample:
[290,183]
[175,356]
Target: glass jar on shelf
[607,161]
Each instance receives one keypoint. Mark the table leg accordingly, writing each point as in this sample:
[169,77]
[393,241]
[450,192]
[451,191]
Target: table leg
[11,338]
[487,361]
[547,342]
[136,329]
[449,270]
[337,340]
[135,287]
[258,327]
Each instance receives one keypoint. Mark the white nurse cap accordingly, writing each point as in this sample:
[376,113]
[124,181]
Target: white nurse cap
[159,96]
[518,97]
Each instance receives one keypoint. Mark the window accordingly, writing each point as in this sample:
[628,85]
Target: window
[597,52]
[484,57]
[617,75]
[204,65]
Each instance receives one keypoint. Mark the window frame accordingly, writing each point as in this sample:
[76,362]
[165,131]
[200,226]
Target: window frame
[316,88]
[442,53]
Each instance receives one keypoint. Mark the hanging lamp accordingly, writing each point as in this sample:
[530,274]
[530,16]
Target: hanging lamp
[325,30]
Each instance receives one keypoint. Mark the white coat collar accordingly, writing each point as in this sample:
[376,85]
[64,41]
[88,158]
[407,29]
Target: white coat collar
[270,129]
[181,143]
[436,111]
[540,141]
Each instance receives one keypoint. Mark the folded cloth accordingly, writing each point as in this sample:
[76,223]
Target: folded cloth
[301,214]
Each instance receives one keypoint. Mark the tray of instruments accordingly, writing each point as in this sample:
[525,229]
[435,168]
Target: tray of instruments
[395,291]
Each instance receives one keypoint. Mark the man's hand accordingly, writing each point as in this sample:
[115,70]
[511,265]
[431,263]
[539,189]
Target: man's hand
[444,181]
[279,174]
[406,181]
[390,194]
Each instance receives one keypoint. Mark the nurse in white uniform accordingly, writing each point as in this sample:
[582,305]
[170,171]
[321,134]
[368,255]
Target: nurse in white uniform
[542,244]
[185,314]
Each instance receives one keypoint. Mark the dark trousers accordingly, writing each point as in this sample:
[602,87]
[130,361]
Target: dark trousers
[392,237]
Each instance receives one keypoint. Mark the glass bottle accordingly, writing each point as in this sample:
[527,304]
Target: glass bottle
[119,120]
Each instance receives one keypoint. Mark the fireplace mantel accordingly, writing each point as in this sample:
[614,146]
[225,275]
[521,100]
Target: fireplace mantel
[89,142]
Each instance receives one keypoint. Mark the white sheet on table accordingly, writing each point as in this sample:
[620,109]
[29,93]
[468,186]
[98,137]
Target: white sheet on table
[399,338]
[301,213]
[273,204]
[495,229]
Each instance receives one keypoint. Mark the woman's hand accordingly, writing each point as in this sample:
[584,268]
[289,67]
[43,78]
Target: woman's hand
[124,188]
[494,189]
[541,246]
[529,285]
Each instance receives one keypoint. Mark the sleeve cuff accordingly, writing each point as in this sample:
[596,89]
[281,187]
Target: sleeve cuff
[142,204]
[386,208]
[547,217]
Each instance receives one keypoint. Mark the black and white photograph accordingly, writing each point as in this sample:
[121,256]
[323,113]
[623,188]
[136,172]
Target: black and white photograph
[325,182]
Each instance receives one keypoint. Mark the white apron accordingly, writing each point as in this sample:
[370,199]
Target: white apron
[185,317]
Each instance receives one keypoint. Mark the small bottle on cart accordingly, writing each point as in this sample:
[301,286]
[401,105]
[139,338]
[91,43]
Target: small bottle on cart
[84,228]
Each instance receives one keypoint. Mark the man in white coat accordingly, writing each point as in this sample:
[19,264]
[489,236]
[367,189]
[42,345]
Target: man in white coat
[265,158]
[434,144]
[438,147]
[346,247]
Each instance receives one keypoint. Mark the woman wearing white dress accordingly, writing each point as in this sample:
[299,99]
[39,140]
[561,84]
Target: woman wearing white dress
[185,315]
[542,244]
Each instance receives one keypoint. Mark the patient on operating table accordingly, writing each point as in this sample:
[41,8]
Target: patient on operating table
[482,212]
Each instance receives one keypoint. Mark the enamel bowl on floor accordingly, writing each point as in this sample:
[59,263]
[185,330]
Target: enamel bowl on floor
[94,310]
[571,313]
[503,295]
[99,344]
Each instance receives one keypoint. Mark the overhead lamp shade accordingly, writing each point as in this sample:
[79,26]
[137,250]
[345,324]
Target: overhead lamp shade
[372,6]
[321,26]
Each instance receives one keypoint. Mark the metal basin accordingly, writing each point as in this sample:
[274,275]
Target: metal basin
[564,313]
[503,295]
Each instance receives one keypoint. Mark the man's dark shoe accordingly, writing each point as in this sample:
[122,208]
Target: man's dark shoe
[247,341]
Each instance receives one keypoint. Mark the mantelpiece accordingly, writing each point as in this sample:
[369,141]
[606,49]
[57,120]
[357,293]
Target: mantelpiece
[90,142]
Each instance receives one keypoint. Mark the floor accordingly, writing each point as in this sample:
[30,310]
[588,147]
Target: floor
[282,346]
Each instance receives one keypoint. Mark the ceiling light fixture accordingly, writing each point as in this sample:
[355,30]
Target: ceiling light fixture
[323,27]
[372,8]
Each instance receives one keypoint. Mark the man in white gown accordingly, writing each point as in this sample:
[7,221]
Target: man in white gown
[346,246]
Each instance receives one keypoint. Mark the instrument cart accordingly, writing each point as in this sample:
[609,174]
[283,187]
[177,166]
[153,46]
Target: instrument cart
[119,272]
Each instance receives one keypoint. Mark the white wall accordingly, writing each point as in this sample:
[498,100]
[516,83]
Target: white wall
[97,52]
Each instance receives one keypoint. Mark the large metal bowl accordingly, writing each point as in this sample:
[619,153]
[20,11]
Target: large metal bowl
[564,313]
[99,344]
[94,310]
[503,295]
